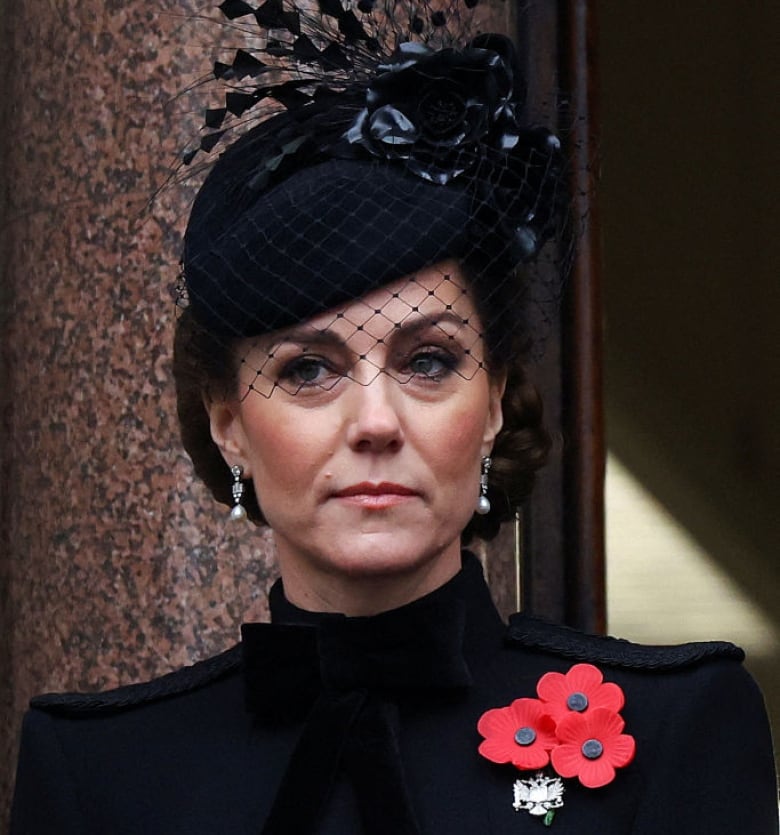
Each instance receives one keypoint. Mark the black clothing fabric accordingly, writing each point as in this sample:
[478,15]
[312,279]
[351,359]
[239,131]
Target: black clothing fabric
[332,726]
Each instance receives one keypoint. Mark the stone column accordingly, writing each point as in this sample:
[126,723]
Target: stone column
[115,564]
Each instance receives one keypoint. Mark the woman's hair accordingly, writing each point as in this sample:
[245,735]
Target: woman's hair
[205,369]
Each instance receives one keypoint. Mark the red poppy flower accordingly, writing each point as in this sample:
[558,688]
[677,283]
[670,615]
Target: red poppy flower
[522,734]
[581,690]
[592,747]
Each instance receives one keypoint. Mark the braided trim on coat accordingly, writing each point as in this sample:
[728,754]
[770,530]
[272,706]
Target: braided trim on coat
[122,698]
[528,632]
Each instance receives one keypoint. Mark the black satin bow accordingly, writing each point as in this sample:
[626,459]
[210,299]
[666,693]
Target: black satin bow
[344,677]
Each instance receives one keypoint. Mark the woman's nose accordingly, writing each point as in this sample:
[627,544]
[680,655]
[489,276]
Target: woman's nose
[374,423]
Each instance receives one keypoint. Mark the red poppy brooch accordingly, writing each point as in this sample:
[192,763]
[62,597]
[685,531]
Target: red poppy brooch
[574,729]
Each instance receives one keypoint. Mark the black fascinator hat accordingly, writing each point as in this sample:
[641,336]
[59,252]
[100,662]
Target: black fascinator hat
[388,155]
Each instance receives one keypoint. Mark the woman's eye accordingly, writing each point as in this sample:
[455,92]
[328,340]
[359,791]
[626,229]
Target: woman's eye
[307,371]
[433,364]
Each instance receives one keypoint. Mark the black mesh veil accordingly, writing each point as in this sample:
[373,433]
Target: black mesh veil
[379,205]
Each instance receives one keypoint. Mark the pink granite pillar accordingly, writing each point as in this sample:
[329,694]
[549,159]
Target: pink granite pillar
[115,565]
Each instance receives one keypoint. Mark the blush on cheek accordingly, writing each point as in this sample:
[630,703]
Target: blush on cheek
[463,431]
[454,456]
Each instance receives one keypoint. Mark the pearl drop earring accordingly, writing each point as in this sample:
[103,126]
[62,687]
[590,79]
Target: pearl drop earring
[483,502]
[238,510]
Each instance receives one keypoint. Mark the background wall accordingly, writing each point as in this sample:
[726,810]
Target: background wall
[689,206]
[115,565]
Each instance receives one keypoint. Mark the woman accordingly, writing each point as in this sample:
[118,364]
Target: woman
[348,372]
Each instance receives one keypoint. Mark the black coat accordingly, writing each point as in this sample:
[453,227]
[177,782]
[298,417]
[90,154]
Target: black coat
[368,725]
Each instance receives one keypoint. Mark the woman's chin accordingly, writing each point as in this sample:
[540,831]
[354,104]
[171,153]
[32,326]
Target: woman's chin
[371,573]
[387,553]
[377,554]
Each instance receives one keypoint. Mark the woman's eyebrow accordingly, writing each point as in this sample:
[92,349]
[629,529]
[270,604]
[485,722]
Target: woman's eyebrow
[419,324]
[412,326]
[304,335]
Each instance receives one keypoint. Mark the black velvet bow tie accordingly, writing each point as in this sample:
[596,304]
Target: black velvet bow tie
[344,677]
[287,665]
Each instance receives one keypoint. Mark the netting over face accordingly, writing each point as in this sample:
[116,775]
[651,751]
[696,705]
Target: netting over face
[419,331]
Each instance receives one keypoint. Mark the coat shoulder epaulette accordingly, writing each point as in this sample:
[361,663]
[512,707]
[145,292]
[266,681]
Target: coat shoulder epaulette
[531,633]
[173,684]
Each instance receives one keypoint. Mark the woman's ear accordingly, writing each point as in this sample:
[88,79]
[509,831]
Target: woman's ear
[227,432]
[495,416]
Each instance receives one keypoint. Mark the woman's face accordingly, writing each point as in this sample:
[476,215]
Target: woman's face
[363,431]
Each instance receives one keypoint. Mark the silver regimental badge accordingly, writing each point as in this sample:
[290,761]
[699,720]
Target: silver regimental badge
[539,795]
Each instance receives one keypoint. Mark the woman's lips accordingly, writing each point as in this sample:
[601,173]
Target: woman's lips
[375,496]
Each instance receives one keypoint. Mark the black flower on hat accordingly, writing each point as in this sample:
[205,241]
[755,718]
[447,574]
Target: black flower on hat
[434,109]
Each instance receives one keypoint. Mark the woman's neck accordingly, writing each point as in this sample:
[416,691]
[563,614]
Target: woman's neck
[363,593]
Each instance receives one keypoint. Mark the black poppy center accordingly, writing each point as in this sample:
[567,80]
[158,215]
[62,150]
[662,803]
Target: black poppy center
[525,736]
[592,749]
[442,110]
[577,701]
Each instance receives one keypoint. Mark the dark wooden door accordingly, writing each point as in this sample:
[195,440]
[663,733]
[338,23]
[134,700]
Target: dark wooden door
[560,531]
